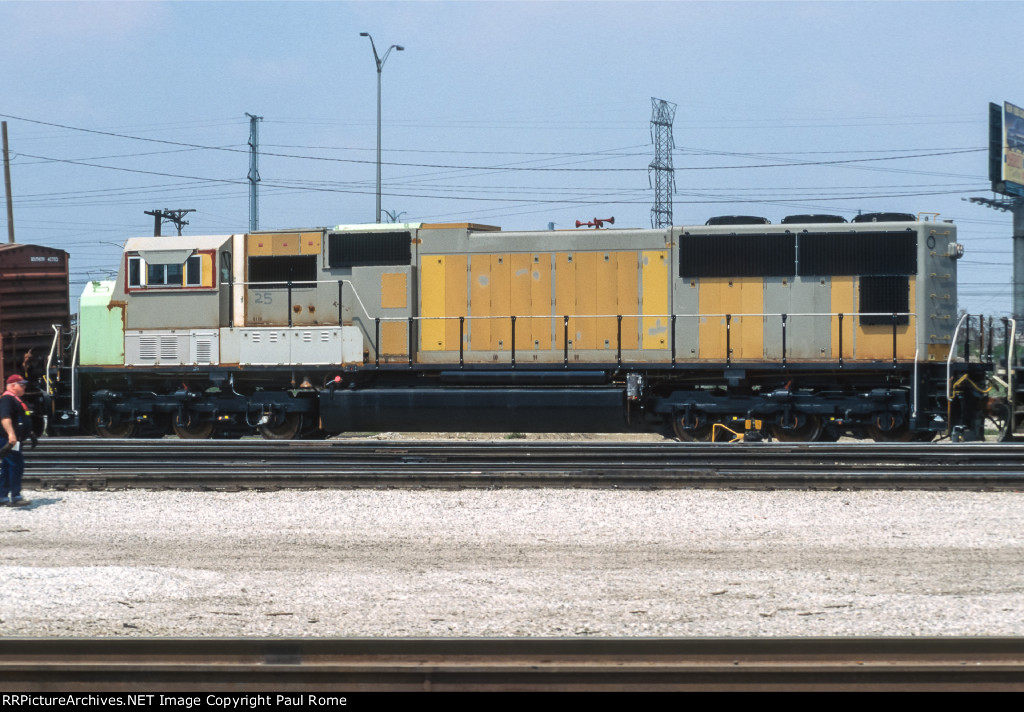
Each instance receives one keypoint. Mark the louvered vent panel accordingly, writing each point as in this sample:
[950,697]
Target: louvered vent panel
[169,350]
[204,351]
[148,348]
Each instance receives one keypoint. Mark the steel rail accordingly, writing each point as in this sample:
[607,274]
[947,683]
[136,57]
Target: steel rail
[85,463]
[353,666]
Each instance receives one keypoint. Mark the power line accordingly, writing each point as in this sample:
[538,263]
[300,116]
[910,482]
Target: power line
[507,168]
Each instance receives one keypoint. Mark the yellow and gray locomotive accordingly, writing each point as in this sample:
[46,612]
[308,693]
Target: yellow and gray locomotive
[803,330]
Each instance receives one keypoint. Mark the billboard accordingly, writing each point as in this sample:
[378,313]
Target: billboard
[1006,149]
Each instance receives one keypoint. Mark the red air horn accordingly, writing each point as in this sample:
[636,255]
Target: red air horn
[596,222]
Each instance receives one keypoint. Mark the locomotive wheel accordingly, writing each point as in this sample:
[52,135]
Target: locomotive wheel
[105,429]
[200,431]
[810,430]
[289,429]
[697,435]
[702,433]
[893,434]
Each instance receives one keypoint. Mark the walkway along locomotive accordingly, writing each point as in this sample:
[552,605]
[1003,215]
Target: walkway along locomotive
[803,330]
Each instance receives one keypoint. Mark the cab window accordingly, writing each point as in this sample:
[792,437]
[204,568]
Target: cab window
[167,276]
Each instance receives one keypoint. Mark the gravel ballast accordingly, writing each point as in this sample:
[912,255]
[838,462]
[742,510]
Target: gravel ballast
[513,563]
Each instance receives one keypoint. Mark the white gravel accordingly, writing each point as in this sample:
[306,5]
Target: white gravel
[513,563]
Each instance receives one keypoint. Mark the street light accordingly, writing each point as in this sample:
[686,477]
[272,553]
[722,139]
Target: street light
[380,66]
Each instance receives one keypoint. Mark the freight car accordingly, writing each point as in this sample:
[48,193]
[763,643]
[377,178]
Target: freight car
[803,330]
[33,301]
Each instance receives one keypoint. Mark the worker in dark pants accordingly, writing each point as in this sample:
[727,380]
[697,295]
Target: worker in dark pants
[16,420]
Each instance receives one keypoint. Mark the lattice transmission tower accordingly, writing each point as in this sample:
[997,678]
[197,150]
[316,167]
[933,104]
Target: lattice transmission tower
[663,113]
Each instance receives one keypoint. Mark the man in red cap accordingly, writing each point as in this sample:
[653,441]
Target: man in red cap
[17,428]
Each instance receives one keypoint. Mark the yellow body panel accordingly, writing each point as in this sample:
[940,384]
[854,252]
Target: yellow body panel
[522,298]
[540,289]
[393,291]
[310,243]
[938,352]
[711,332]
[206,269]
[589,332]
[843,303]
[540,301]
[479,328]
[454,298]
[501,302]
[565,298]
[285,244]
[751,328]
[490,303]
[628,298]
[394,338]
[603,282]
[258,245]
[432,301]
[721,296]
[654,270]
[592,288]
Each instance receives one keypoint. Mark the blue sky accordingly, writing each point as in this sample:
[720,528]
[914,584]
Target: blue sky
[509,113]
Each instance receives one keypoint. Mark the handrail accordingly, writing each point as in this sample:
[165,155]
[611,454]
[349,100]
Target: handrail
[670,323]
[646,316]
[949,359]
[74,372]
[49,358]
[73,366]
[355,291]
[913,384]
[1011,355]
[671,320]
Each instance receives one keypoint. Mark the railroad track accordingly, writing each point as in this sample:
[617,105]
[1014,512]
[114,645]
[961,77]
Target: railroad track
[353,666]
[76,463]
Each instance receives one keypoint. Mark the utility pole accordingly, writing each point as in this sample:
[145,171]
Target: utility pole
[254,172]
[7,187]
[172,216]
[663,113]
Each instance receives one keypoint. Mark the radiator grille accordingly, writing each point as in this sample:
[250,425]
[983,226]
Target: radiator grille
[871,253]
[887,295]
[360,249]
[759,255]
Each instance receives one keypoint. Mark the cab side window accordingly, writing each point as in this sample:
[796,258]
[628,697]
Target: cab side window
[165,276]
